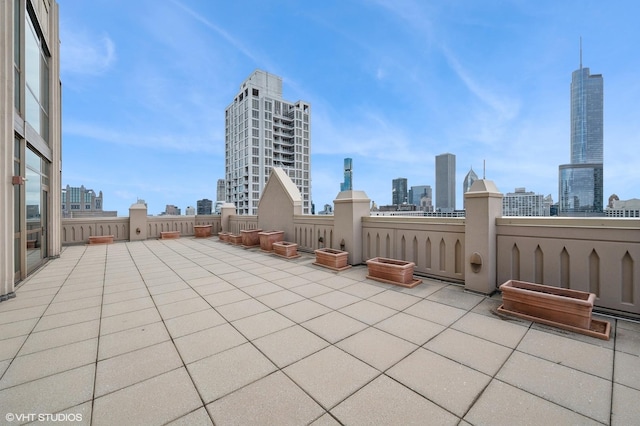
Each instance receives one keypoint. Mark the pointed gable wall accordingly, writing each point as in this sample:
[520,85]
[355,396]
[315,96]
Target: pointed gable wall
[280,201]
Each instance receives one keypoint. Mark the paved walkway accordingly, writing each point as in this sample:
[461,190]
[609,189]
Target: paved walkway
[195,331]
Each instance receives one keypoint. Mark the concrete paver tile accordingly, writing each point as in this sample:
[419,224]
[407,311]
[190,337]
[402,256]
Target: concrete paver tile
[131,339]
[287,346]
[379,349]
[210,341]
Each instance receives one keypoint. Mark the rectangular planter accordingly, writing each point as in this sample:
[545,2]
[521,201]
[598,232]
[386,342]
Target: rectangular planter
[250,237]
[561,307]
[286,249]
[168,235]
[267,238]
[332,259]
[223,236]
[234,239]
[202,231]
[98,239]
[392,271]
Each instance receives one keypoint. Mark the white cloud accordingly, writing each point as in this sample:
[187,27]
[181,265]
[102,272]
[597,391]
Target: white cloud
[84,53]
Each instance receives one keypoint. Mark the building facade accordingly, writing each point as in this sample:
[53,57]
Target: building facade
[83,202]
[445,182]
[399,191]
[220,193]
[580,188]
[172,210]
[347,184]
[204,206]
[262,131]
[421,196]
[523,203]
[30,129]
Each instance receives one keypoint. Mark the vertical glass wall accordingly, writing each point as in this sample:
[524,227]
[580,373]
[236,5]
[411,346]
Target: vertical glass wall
[36,209]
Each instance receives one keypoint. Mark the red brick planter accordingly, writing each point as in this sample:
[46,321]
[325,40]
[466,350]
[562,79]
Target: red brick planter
[560,307]
[392,271]
[332,259]
[234,239]
[250,237]
[223,236]
[286,249]
[202,231]
[267,238]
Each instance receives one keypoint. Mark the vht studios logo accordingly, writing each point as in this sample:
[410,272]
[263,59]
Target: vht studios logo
[43,417]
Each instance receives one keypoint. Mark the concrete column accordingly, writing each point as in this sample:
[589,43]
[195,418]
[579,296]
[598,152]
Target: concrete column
[483,205]
[138,222]
[226,211]
[349,208]
[6,151]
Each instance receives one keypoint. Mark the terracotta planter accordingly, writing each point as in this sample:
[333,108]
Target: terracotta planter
[202,231]
[285,249]
[561,307]
[99,239]
[234,239]
[267,238]
[223,235]
[169,235]
[332,259]
[392,271]
[250,237]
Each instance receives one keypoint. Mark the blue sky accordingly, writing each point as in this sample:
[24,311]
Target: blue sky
[392,84]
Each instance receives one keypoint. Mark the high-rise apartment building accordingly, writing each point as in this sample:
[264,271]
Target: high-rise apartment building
[581,182]
[347,185]
[525,203]
[399,191]
[263,131]
[445,182]
[83,202]
[30,138]
[204,206]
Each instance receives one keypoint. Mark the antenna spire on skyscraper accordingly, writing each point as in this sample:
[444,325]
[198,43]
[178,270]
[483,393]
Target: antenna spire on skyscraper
[580,52]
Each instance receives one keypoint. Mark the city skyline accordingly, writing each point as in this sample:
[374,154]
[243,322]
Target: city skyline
[144,106]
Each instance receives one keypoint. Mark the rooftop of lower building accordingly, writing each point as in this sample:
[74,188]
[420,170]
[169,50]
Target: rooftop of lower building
[194,331]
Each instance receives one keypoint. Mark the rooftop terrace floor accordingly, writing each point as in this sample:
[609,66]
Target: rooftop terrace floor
[194,331]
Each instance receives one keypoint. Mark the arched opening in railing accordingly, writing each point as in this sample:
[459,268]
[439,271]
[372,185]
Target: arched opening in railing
[515,262]
[415,250]
[443,255]
[403,248]
[627,279]
[368,254]
[538,266]
[458,258]
[427,253]
[594,273]
[377,245]
[565,269]
[388,246]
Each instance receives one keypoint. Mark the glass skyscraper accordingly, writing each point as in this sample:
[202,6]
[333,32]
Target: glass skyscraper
[581,182]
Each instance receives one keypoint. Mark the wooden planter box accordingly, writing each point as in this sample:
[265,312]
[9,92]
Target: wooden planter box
[234,239]
[286,249]
[267,238]
[168,235]
[223,236]
[101,239]
[332,259]
[250,237]
[202,231]
[559,307]
[392,271]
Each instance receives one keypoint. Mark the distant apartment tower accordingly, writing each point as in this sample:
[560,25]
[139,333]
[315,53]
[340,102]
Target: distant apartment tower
[523,203]
[581,182]
[466,185]
[170,209]
[83,202]
[263,131]
[205,206]
[347,184]
[445,182]
[190,211]
[220,190]
[421,196]
[399,191]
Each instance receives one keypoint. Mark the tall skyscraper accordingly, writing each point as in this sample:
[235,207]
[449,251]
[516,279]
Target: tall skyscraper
[347,185]
[468,181]
[263,131]
[445,182]
[220,194]
[581,182]
[399,191]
